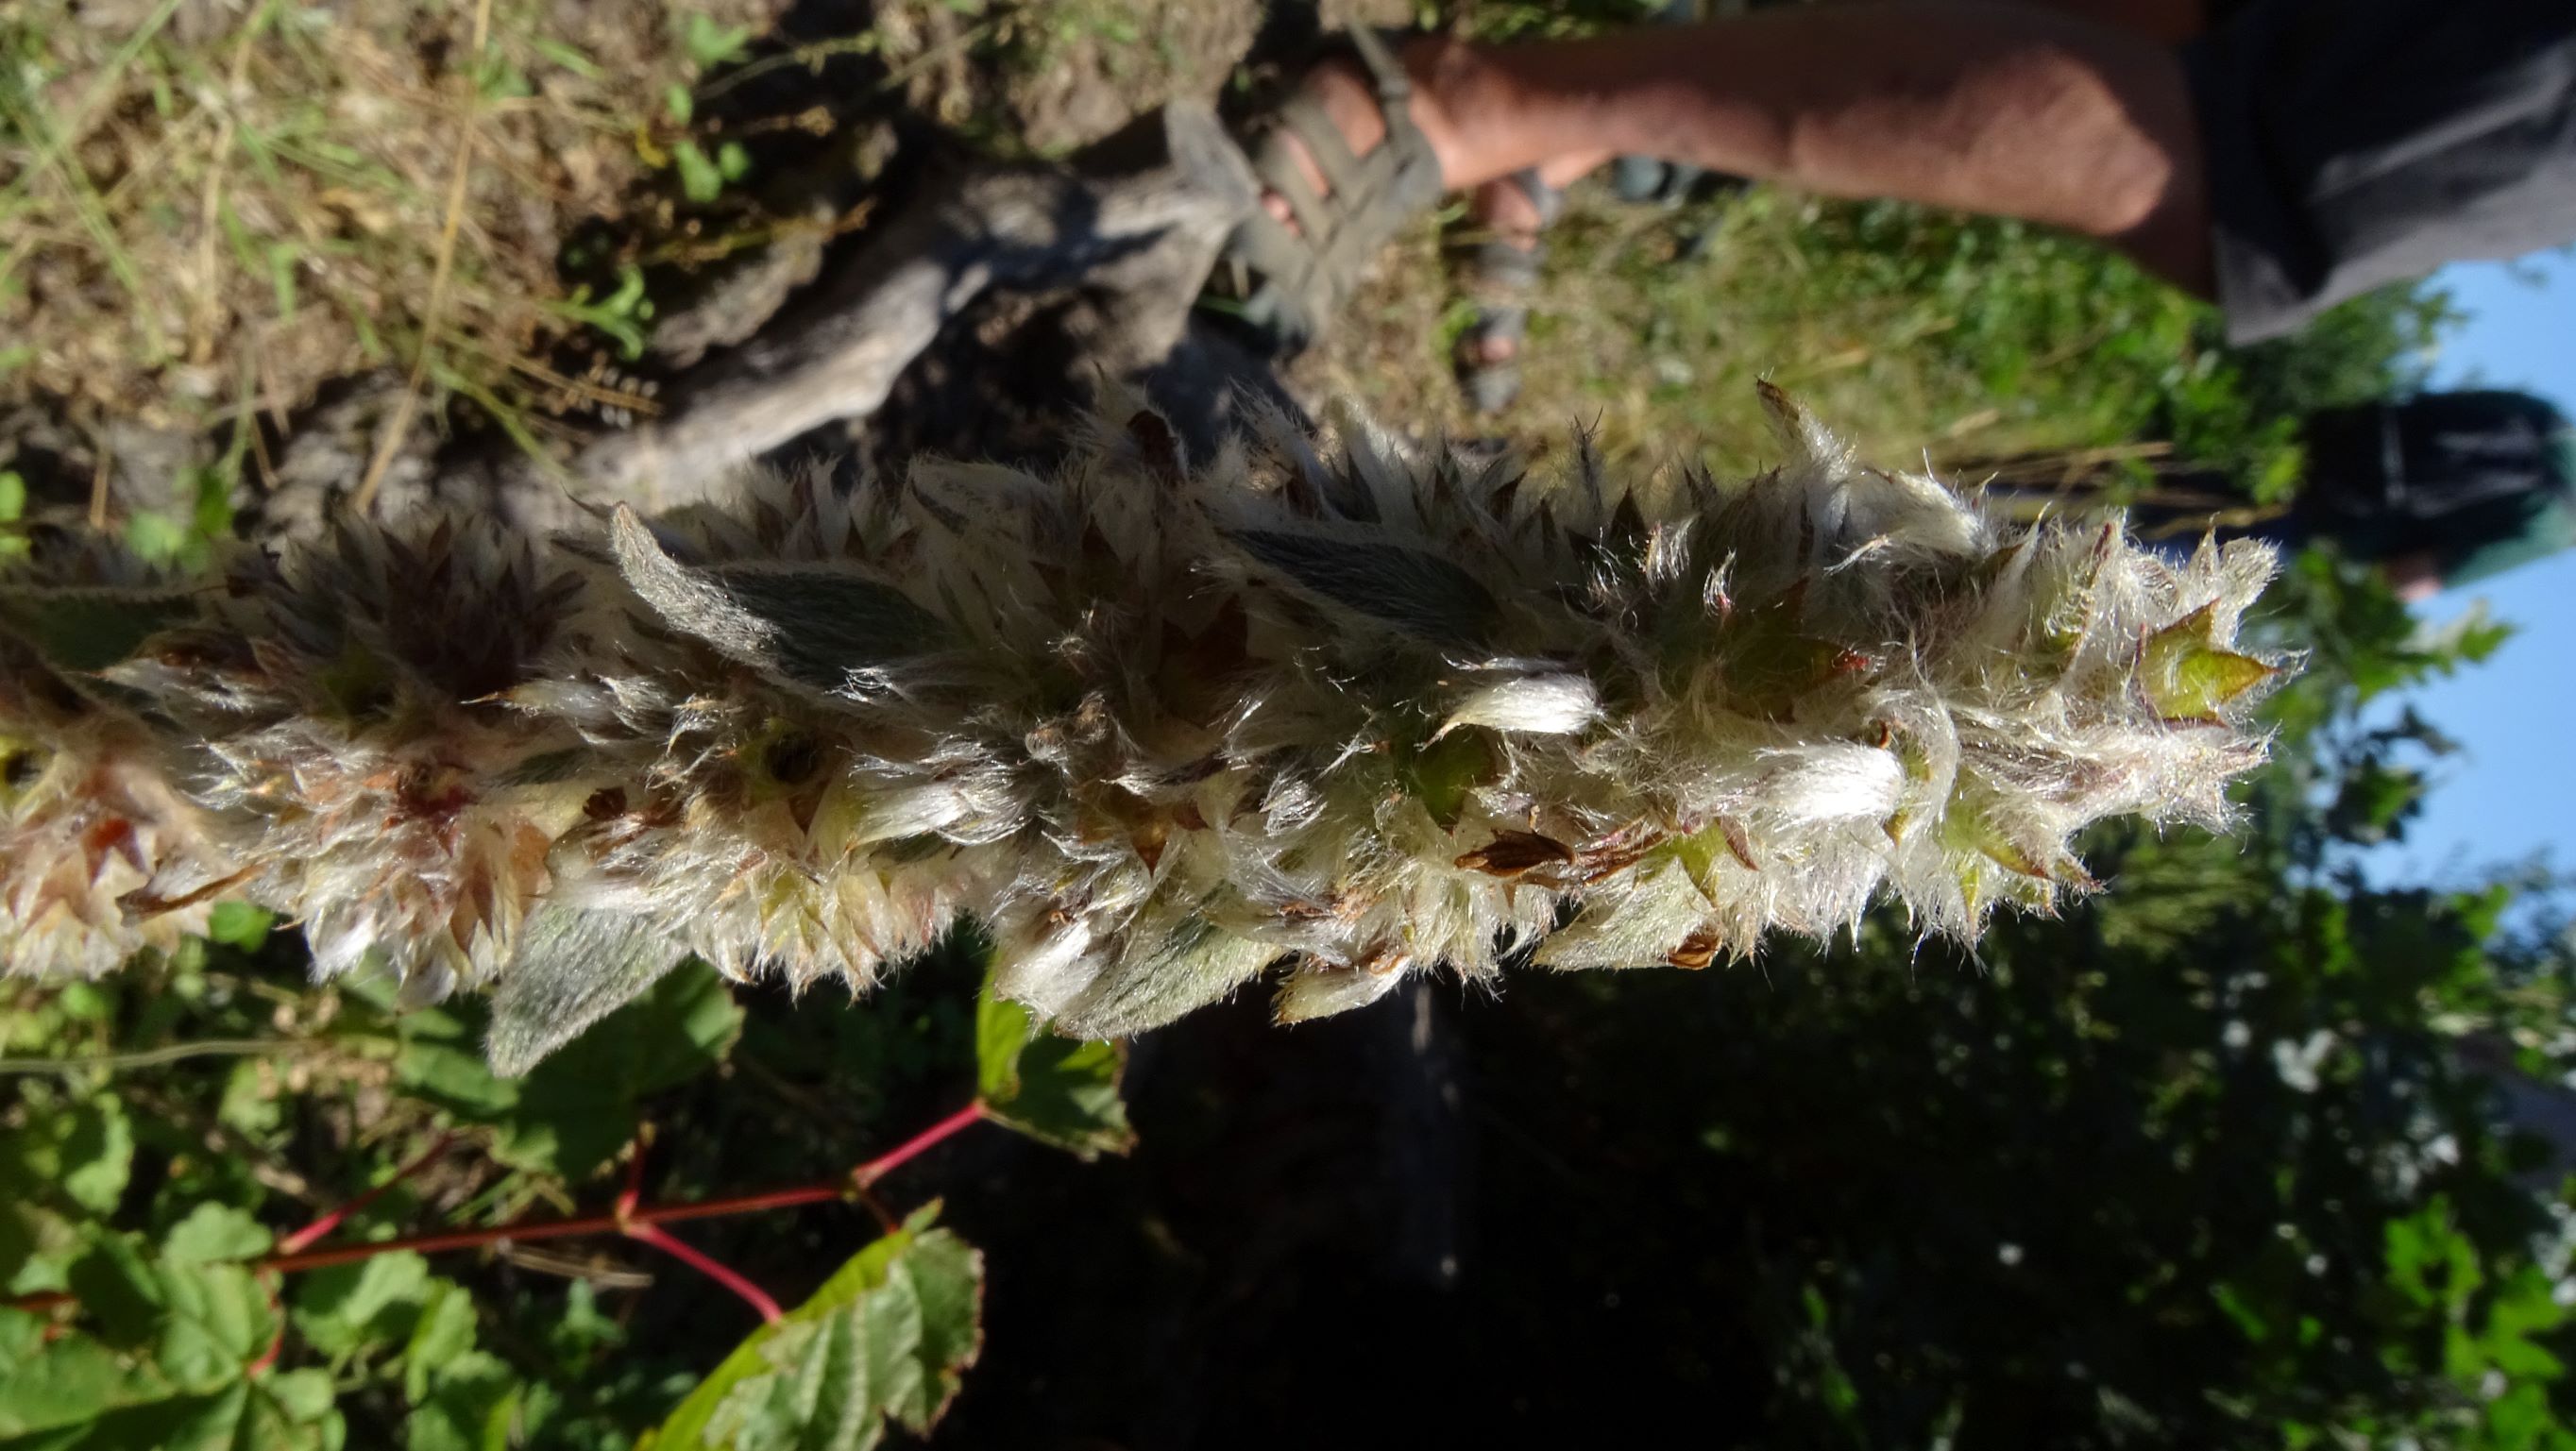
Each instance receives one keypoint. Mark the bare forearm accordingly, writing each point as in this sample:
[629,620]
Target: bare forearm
[1985,108]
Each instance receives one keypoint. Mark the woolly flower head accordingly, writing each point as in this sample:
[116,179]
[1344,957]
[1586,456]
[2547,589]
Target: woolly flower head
[90,828]
[1167,725]
[331,714]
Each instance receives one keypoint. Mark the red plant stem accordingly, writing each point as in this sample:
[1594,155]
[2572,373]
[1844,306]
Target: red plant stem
[627,1220]
[331,1221]
[561,1228]
[920,1143]
[707,1265]
[633,1193]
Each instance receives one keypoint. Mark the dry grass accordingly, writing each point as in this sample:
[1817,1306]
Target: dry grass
[1651,324]
[208,208]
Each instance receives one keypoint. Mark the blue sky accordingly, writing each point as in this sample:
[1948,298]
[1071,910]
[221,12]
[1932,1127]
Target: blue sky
[2512,790]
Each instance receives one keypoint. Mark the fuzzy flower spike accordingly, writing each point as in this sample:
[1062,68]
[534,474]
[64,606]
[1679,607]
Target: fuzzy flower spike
[1165,726]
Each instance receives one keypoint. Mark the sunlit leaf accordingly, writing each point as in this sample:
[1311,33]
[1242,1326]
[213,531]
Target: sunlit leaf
[886,1338]
[215,1234]
[1060,1090]
[572,968]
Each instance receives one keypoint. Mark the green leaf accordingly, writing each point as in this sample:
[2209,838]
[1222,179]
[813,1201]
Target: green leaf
[710,44]
[804,625]
[444,1331]
[215,1234]
[572,968]
[302,1396]
[699,179]
[576,1109]
[73,1157]
[69,1382]
[676,100]
[567,57]
[239,924]
[163,1358]
[340,1308]
[1059,1090]
[1417,592]
[13,496]
[268,1413]
[83,630]
[470,1408]
[217,1319]
[155,536]
[2188,675]
[887,1337]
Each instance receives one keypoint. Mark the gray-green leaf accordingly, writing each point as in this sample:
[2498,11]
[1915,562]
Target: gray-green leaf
[1418,593]
[813,626]
[573,967]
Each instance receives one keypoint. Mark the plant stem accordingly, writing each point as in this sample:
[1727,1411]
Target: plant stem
[153,1057]
[707,1265]
[331,1221]
[630,1219]
[876,1168]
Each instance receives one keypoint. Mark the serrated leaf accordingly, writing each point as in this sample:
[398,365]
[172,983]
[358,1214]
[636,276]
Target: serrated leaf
[66,1383]
[470,1407]
[216,1320]
[160,1360]
[1417,592]
[444,1331]
[1062,1091]
[81,1153]
[340,1308]
[270,1413]
[303,1397]
[887,1337]
[82,630]
[2188,675]
[215,1234]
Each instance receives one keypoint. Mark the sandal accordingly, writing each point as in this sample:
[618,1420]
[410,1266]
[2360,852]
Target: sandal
[1500,278]
[1291,281]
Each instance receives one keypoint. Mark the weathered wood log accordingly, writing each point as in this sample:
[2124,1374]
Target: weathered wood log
[1146,236]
